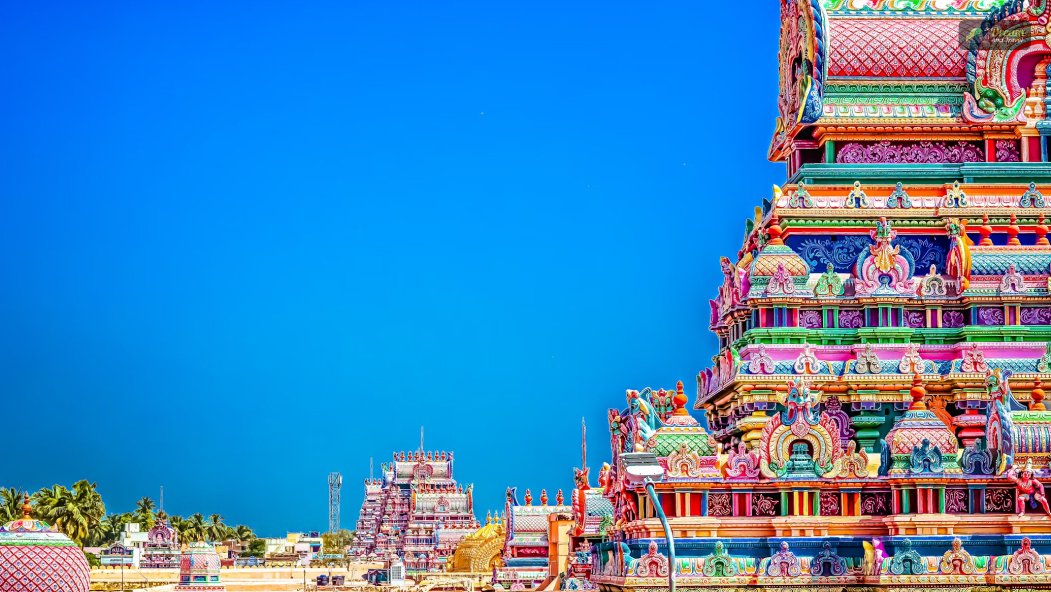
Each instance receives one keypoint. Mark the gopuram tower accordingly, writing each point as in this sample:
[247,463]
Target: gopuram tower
[875,409]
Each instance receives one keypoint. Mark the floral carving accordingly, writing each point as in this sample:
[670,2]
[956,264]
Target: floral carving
[1026,561]
[719,504]
[1032,198]
[886,152]
[829,284]
[764,504]
[906,561]
[742,464]
[1036,316]
[915,319]
[955,197]
[851,319]
[899,198]
[955,501]
[956,561]
[911,362]
[784,563]
[827,563]
[811,319]
[1012,282]
[867,362]
[857,198]
[952,319]
[875,503]
[719,564]
[828,503]
[1007,151]
[807,362]
[761,362]
[999,500]
[652,563]
[973,361]
[990,316]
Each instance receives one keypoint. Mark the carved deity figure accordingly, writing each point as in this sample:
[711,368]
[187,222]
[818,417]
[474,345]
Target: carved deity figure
[1028,488]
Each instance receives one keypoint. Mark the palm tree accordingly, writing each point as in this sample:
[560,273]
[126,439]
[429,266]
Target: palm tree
[244,533]
[11,502]
[144,512]
[75,513]
[216,528]
[195,528]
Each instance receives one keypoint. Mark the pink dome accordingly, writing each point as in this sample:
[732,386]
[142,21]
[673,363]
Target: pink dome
[36,558]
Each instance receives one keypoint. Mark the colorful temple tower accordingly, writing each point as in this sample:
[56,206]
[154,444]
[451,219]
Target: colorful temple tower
[875,407]
[527,541]
[405,512]
[34,557]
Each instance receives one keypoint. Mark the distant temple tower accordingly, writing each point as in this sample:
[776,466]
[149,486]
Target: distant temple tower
[415,511]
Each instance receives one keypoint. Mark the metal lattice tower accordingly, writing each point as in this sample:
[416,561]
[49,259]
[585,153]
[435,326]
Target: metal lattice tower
[335,482]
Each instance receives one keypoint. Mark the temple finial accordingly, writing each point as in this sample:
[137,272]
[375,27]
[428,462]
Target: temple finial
[27,509]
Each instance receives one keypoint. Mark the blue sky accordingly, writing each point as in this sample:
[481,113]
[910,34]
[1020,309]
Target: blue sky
[247,244]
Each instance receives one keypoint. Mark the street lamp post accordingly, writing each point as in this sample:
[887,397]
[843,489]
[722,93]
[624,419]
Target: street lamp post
[642,468]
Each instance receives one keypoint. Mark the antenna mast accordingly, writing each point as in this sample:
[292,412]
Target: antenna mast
[335,482]
[162,498]
[583,444]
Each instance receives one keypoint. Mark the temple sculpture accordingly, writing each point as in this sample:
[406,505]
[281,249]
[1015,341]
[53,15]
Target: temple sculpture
[874,412]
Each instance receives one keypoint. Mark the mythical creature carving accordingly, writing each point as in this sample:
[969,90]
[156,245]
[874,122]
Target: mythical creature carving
[957,561]
[958,261]
[827,563]
[784,563]
[799,439]
[906,561]
[1044,363]
[652,564]
[883,270]
[1026,561]
[999,427]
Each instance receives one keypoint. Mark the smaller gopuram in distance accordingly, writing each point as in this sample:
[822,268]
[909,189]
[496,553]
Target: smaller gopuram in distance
[416,513]
[875,408]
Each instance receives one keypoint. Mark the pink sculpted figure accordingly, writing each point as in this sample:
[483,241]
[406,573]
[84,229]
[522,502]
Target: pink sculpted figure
[1028,487]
